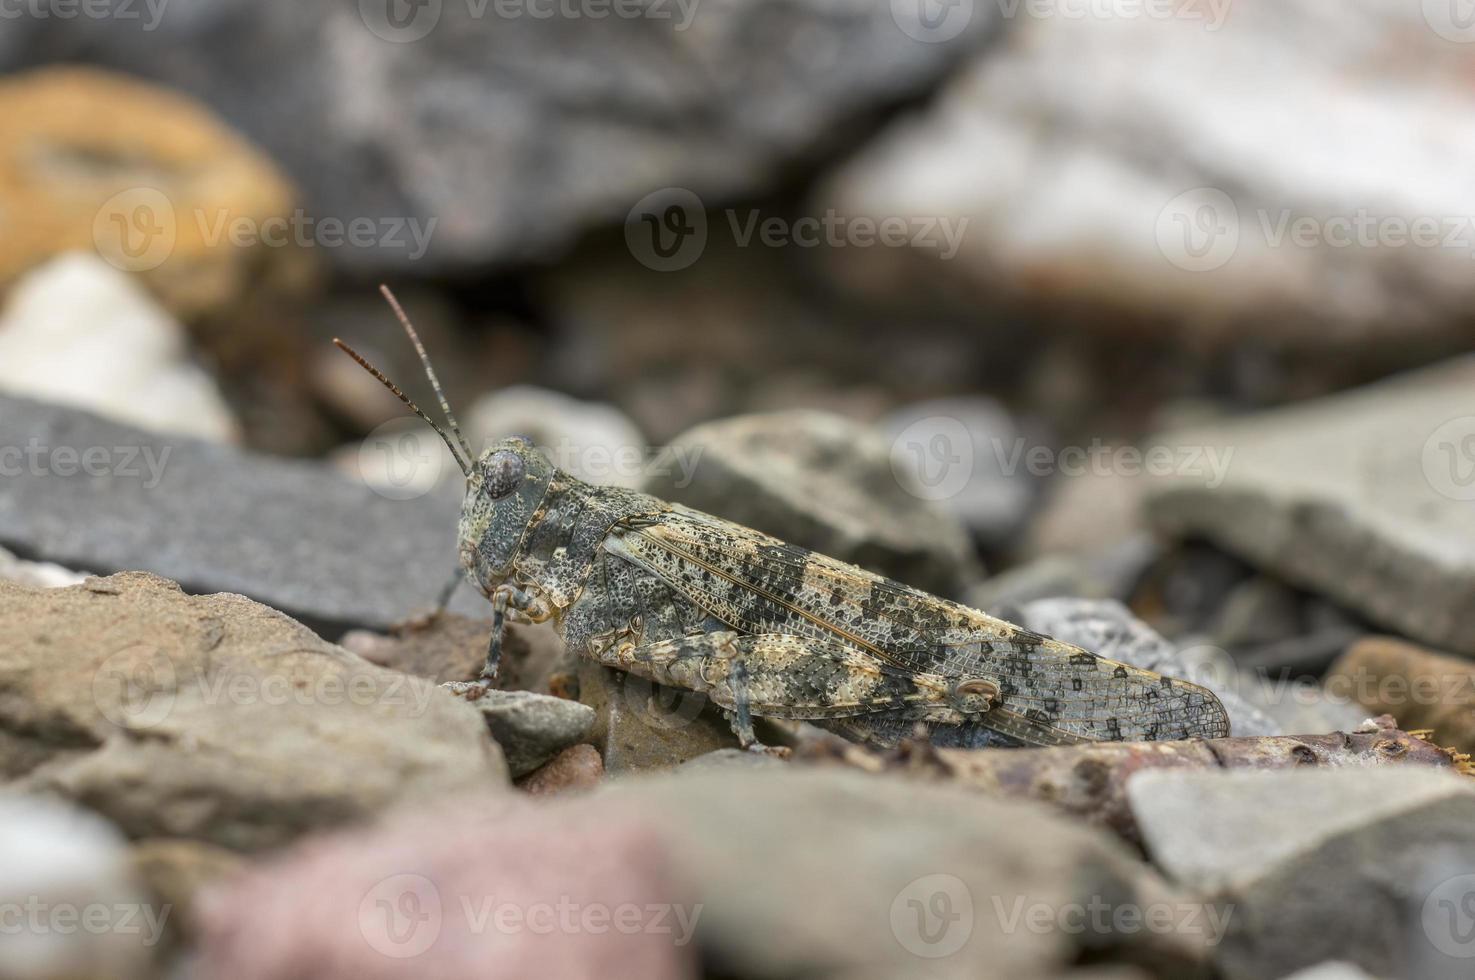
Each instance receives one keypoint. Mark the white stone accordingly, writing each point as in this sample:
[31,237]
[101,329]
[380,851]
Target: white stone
[73,905]
[595,442]
[76,331]
[42,573]
[1070,144]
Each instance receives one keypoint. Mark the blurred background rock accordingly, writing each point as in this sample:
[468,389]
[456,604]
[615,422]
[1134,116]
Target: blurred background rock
[986,235]
[1143,323]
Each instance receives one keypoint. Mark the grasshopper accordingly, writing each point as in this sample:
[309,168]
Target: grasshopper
[767,629]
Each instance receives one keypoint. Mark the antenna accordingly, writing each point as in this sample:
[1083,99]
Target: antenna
[363,363]
[429,371]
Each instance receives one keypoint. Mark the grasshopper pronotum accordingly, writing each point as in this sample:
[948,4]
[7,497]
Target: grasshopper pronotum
[765,628]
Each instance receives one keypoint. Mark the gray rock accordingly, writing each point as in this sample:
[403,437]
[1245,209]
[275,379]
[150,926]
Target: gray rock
[1300,706]
[822,482]
[1086,513]
[531,728]
[216,718]
[1361,497]
[1108,629]
[854,876]
[36,572]
[679,349]
[595,442]
[295,535]
[1106,575]
[516,132]
[1257,611]
[640,725]
[1332,970]
[961,453]
[727,759]
[1316,864]
[1163,210]
[1307,654]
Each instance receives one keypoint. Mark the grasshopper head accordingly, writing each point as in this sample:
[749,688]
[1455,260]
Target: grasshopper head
[503,492]
[503,488]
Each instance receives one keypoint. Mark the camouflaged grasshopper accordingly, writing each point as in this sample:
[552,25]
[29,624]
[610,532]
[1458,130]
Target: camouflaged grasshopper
[767,629]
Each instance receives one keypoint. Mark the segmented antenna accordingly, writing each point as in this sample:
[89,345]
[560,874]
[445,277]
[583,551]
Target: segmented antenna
[363,363]
[445,406]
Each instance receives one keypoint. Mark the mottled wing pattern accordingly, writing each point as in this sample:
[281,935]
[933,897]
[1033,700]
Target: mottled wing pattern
[1051,692]
[785,676]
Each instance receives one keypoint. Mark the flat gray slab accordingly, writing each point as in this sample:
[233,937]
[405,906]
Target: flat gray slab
[1367,497]
[296,535]
[1371,866]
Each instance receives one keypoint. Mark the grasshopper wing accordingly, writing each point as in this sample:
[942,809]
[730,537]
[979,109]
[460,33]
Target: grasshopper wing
[1049,692]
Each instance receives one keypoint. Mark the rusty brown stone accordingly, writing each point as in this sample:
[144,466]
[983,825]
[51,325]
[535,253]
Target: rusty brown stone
[1090,780]
[1424,690]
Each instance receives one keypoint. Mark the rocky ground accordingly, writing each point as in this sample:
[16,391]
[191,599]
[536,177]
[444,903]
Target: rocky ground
[237,740]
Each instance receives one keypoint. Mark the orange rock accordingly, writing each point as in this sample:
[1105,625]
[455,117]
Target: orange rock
[147,178]
[576,768]
[1422,689]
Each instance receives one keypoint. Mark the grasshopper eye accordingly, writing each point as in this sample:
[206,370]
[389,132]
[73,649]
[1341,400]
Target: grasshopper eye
[503,473]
